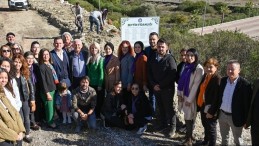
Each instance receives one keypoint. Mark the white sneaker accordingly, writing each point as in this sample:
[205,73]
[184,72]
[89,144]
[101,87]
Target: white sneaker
[141,130]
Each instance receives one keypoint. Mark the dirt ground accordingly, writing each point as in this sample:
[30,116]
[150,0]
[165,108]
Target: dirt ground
[27,25]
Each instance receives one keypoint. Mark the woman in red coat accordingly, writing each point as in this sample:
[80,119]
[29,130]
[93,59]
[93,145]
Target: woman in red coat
[139,67]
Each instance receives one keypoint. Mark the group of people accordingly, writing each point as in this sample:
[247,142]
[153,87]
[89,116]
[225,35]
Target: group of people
[126,90]
[96,17]
[230,100]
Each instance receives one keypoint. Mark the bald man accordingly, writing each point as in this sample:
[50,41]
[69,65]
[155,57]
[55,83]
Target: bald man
[77,62]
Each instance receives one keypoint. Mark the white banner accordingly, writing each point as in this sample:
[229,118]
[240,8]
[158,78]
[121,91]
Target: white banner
[138,28]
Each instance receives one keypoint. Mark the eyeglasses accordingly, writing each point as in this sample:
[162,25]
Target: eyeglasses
[6,50]
[134,88]
[16,48]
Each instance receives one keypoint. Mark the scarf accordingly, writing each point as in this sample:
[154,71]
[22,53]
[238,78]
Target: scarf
[203,87]
[55,77]
[133,106]
[33,77]
[183,84]
[133,67]
[107,59]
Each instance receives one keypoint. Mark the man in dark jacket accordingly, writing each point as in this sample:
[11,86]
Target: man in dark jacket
[151,51]
[60,61]
[253,118]
[234,102]
[77,62]
[161,76]
[84,102]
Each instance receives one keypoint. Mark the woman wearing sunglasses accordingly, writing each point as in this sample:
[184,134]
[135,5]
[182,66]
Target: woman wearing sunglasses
[139,109]
[5,51]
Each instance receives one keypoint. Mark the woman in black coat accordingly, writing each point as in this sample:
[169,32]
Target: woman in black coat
[208,96]
[114,108]
[139,109]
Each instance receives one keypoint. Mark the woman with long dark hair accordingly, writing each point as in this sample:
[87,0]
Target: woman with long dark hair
[26,91]
[187,90]
[13,92]
[11,125]
[49,79]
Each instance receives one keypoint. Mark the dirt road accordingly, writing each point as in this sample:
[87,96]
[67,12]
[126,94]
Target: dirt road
[248,26]
[28,26]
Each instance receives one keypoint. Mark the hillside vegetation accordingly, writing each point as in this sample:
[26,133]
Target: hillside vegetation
[176,21]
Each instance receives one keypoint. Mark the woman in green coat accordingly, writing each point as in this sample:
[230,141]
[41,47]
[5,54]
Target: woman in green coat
[96,74]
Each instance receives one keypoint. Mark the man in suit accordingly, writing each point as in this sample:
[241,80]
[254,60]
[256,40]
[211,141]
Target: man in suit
[60,61]
[234,101]
[60,64]
[77,60]
[253,118]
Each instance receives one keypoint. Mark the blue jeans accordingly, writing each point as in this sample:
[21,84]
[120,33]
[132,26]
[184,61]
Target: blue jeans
[91,121]
[95,21]
[152,100]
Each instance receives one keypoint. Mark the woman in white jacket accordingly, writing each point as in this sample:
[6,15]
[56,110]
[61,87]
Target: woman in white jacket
[14,97]
[187,90]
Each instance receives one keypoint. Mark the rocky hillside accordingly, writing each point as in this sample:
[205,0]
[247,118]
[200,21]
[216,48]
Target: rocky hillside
[61,16]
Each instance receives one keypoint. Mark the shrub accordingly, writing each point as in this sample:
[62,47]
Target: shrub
[223,45]
[143,10]
[115,17]
[218,6]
